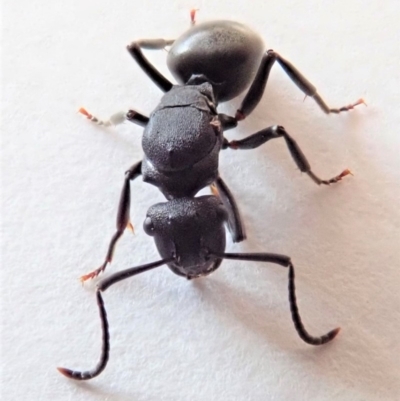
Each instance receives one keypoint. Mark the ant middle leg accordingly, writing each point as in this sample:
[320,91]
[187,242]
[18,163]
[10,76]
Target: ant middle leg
[276,131]
[123,220]
[257,88]
[118,118]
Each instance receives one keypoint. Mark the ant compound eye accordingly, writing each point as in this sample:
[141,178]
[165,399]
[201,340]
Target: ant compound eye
[148,226]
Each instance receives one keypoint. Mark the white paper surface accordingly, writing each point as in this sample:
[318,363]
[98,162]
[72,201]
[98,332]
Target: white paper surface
[228,336]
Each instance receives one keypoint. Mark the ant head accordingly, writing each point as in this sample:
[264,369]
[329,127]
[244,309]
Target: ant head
[190,229]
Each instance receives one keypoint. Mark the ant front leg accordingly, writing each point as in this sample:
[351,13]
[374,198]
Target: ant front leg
[285,262]
[135,50]
[122,219]
[263,136]
[257,88]
[235,224]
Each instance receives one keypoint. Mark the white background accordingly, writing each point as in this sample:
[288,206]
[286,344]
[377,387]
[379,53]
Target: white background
[229,336]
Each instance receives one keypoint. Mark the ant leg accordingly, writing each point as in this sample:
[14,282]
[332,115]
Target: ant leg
[135,51]
[259,138]
[254,94]
[286,262]
[117,118]
[257,88]
[193,12]
[235,224]
[227,122]
[105,348]
[307,88]
[122,219]
[137,118]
